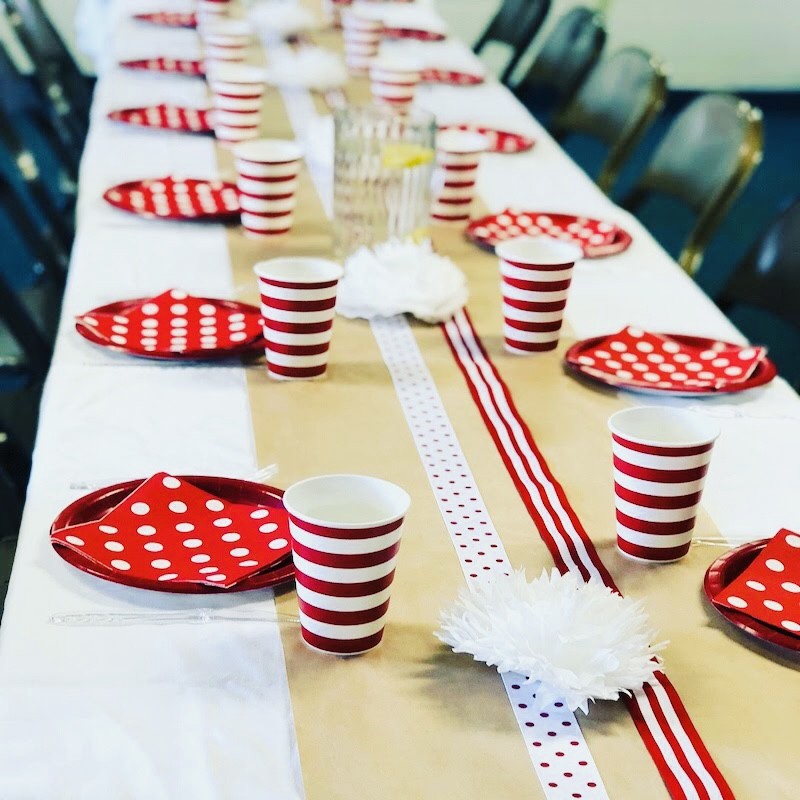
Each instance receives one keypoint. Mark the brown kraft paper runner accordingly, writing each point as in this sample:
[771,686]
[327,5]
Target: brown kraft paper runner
[411,720]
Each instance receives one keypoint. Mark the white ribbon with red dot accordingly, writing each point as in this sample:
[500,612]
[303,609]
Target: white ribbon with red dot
[552,735]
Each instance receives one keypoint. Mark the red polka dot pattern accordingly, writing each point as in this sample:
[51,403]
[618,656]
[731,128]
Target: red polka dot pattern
[166,117]
[180,66]
[176,199]
[168,530]
[597,238]
[169,19]
[769,589]
[175,323]
[499,141]
[636,358]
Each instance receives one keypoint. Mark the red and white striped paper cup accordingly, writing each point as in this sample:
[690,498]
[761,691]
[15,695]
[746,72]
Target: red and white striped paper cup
[226,41]
[362,40]
[394,81]
[458,156]
[267,178]
[298,301]
[237,92]
[661,457]
[209,11]
[346,532]
[535,276]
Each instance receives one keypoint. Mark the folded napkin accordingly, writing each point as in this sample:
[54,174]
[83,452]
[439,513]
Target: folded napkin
[636,358]
[169,530]
[307,68]
[769,589]
[177,322]
[275,19]
[401,277]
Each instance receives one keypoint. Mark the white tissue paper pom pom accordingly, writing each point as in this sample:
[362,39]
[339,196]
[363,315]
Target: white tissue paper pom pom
[573,641]
[401,278]
[308,68]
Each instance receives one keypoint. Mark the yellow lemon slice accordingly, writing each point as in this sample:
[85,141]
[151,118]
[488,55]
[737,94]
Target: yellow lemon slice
[401,155]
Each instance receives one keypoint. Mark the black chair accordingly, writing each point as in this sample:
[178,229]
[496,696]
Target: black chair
[567,55]
[515,24]
[23,101]
[769,276]
[704,160]
[59,78]
[616,105]
[54,223]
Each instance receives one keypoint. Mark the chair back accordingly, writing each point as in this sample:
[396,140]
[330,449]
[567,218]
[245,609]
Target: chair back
[567,55]
[515,24]
[705,159]
[59,76]
[616,104]
[769,276]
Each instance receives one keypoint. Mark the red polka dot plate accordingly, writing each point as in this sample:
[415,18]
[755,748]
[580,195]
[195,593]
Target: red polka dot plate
[669,364]
[724,572]
[417,34]
[169,19]
[450,77]
[175,326]
[166,117]
[177,199]
[597,238]
[499,141]
[176,66]
[233,496]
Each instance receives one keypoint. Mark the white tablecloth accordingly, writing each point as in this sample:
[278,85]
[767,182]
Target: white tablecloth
[202,711]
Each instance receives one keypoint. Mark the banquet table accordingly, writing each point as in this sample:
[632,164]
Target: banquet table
[240,708]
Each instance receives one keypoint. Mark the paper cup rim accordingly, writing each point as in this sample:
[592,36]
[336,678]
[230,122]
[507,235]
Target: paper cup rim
[701,430]
[400,498]
[269,151]
[237,73]
[461,142]
[538,251]
[299,269]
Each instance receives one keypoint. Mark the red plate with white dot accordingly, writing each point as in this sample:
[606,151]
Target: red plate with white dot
[596,237]
[169,19]
[187,534]
[743,574]
[499,141]
[450,77]
[417,34]
[177,199]
[166,117]
[670,364]
[175,325]
[178,66]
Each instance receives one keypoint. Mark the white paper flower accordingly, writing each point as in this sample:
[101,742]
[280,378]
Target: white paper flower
[398,278]
[279,19]
[573,641]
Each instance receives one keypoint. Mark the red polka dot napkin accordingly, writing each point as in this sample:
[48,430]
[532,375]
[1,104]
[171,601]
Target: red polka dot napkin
[175,322]
[634,357]
[176,198]
[169,530]
[769,589]
[167,117]
[450,77]
[182,66]
[169,19]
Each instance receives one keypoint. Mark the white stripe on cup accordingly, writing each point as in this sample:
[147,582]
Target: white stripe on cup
[670,463]
[334,603]
[648,514]
[283,337]
[289,360]
[336,575]
[654,540]
[533,297]
[529,336]
[533,274]
[302,295]
[304,317]
[532,316]
[342,632]
[658,488]
[327,544]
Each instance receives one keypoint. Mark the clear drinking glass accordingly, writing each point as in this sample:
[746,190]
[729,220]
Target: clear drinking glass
[382,179]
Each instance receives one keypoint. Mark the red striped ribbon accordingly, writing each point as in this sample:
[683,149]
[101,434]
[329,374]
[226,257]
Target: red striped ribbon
[660,717]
